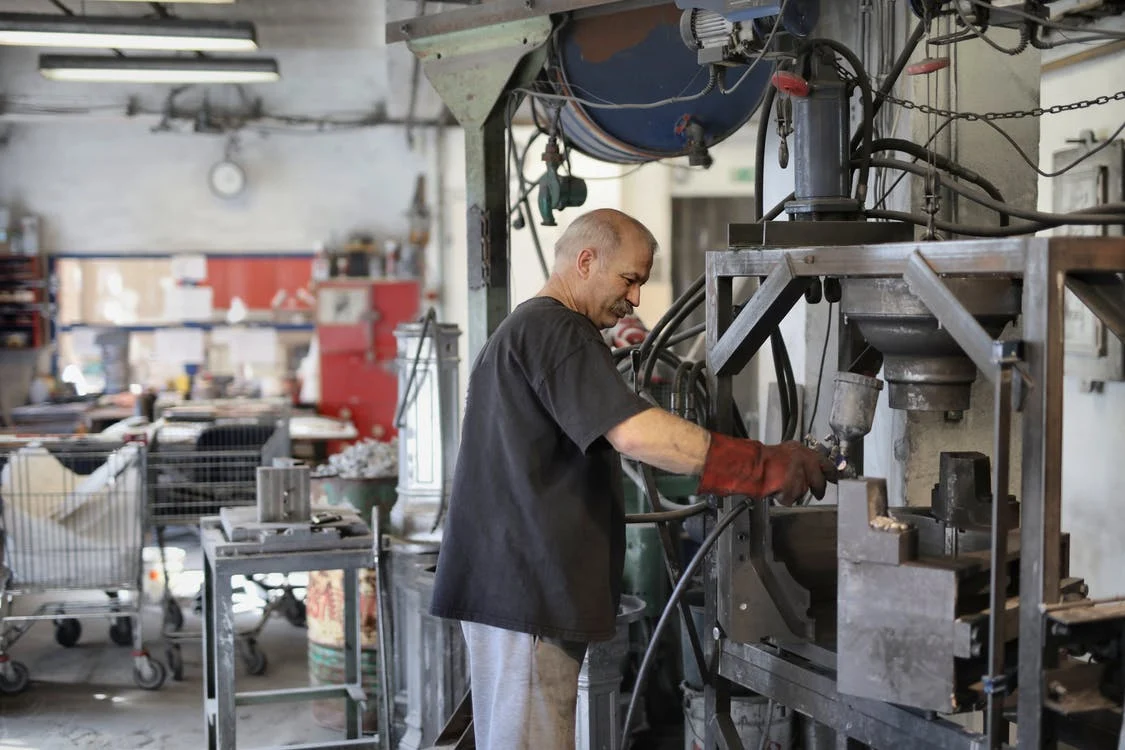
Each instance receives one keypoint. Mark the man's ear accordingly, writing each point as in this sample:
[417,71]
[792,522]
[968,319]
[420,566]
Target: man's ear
[587,258]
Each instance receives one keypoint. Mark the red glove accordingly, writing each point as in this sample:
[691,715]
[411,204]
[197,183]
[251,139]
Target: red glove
[746,467]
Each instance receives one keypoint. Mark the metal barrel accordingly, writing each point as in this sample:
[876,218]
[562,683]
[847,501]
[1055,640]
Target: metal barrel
[325,604]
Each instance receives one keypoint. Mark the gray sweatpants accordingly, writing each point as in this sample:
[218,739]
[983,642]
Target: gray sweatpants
[525,689]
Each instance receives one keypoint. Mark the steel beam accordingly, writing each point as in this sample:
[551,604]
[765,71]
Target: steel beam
[812,692]
[951,314]
[1004,257]
[761,315]
[472,68]
[997,724]
[1104,295]
[1043,313]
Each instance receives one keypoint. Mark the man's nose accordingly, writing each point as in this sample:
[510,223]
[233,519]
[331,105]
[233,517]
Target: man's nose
[634,296]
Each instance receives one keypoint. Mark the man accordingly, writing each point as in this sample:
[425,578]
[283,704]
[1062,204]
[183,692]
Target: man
[533,550]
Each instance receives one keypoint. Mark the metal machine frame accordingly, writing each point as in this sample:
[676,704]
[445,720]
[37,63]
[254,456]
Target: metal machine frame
[1028,376]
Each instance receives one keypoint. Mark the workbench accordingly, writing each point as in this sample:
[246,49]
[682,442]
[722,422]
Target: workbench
[223,559]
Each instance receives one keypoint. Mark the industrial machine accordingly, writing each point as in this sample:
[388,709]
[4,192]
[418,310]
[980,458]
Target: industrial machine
[880,621]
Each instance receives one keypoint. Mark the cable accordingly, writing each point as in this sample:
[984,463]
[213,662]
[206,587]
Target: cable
[673,600]
[684,335]
[1097,215]
[946,226]
[664,516]
[407,398]
[1068,167]
[820,370]
[941,162]
[892,77]
[1047,23]
[980,34]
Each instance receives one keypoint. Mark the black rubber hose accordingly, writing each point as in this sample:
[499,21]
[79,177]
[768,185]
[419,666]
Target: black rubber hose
[1101,217]
[670,313]
[1014,230]
[942,162]
[688,333]
[676,321]
[673,600]
[664,516]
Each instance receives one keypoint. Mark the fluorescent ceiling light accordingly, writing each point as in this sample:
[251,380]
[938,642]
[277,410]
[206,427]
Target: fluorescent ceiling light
[36,30]
[159,69]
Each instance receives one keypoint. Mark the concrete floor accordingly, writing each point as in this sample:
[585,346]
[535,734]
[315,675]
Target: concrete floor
[85,697]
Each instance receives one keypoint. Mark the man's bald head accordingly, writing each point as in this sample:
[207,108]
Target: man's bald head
[602,230]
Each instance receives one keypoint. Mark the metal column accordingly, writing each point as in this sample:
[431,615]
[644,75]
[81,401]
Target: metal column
[1043,297]
[474,70]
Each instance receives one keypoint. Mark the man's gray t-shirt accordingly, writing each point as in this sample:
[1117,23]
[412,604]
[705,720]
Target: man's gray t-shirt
[534,540]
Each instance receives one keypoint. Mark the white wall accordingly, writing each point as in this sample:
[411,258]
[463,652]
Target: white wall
[103,183]
[1094,423]
[525,272]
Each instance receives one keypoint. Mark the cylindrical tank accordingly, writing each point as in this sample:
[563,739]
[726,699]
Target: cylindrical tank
[325,606]
[636,56]
[431,664]
[822,150]
[429,424]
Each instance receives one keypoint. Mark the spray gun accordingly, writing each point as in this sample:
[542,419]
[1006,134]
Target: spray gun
[853,411]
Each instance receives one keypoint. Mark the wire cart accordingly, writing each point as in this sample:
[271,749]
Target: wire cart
[72,519]
[203,458]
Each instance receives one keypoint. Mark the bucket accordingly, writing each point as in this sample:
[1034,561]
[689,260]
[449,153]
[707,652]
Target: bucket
[362,494]
[749,714]
[152,585]
[325,605]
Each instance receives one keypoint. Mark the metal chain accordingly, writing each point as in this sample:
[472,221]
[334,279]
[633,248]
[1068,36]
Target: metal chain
[990,116]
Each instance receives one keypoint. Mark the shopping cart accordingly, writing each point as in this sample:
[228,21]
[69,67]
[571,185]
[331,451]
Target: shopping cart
[72,519]
[200,460]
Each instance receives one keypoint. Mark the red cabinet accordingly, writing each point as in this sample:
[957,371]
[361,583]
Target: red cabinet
[355,324]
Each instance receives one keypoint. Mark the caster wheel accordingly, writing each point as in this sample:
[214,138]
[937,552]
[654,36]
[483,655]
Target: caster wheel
[18,681]
[151,675]
[254,658]
[173,615]
[294,611]
[175,662]
[121,631]
[67,632]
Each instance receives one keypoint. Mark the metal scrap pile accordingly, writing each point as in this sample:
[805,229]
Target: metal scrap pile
[366,459]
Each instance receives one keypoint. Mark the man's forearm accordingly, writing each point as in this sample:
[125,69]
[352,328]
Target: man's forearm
[663,440]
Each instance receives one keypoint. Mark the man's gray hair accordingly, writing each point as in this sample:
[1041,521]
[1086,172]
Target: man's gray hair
[601,230]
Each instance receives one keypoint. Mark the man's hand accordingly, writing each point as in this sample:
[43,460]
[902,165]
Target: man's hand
[746,467]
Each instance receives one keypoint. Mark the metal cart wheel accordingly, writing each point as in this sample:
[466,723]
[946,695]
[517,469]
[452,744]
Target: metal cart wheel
[16,680]
[149,673]
[294,610]
[67,632]
[121,631]
[175,659]
[173,614]
[253,657]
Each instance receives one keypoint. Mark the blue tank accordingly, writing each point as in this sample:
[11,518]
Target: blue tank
[638,56]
